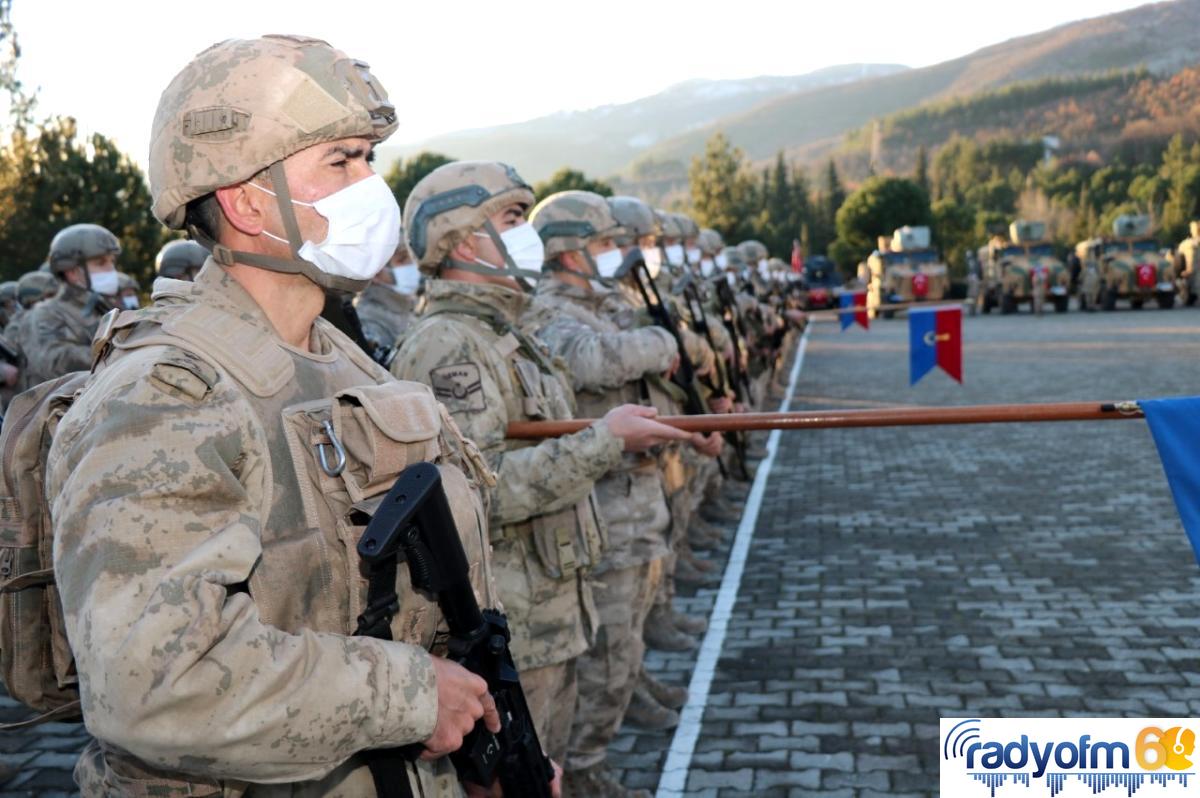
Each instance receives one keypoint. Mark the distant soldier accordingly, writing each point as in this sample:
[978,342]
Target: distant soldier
[973,283]
[1186,268]
[127,292]
[180,260]
[1038,279]
[386,307]
[8,302]
[58,336]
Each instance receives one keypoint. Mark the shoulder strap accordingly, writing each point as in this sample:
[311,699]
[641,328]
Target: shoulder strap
[524,343]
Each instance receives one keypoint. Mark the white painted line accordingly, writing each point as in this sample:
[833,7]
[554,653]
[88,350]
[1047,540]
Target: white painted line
[679,758]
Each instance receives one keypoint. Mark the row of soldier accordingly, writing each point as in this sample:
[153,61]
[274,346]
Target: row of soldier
[200,534]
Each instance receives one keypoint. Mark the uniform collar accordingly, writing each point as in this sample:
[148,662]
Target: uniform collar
[492,300]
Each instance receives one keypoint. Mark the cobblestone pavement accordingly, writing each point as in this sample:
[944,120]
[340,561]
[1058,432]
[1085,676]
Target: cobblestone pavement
[899,575]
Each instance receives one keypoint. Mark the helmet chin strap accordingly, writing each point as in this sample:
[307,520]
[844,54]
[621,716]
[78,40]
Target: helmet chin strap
[521,276]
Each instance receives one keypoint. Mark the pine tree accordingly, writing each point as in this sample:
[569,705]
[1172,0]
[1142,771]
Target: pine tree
[722,192]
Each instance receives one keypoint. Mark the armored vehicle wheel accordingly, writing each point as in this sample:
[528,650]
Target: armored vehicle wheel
[1062,304]
[1008,304]
[1136,304]
[1110,299]
[989,301]
[1166,300]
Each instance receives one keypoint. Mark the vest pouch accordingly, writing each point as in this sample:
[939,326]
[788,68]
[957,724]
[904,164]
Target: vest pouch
[569,540]
[384,429]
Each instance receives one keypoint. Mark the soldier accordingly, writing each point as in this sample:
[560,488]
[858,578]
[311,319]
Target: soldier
[386,307]
[654,704]
[465,225]
[206,575]
[58,336]
[180,260]
[608,367]
[8,301]
[127,292]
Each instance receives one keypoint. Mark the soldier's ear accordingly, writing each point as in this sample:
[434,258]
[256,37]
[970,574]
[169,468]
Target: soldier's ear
[465,250]
[244,208]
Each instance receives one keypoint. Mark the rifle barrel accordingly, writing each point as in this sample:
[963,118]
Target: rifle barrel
[835,419]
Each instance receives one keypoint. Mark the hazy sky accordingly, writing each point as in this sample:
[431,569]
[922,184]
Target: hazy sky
[454,64]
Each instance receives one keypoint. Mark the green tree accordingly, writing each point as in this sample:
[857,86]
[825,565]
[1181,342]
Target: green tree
[403,175]
[722,192]
[829,199]
[922,174]
[1181,169]
[880,206]
[567,179]
[53,179]
[954,233]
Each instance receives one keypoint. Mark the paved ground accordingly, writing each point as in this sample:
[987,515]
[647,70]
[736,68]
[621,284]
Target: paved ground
[898,575]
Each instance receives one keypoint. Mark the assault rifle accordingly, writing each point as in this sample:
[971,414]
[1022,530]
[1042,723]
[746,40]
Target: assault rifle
[414,524]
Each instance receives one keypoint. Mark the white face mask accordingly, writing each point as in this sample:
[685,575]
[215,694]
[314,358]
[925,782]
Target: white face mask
[130,302]
[706,267]
[764,270]
[104,282]
[364,229]
[731,278]
[608,262]
[675,254]
[523,245]
[722,261]
[694,255]
[407,278]
[653,258]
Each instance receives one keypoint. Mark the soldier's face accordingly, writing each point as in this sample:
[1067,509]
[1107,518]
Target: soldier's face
[314,173]
[102,263]
[483,248]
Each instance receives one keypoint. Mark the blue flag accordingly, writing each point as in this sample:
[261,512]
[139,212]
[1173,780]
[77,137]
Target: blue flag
[1175,425]
[934,339]
[846,301]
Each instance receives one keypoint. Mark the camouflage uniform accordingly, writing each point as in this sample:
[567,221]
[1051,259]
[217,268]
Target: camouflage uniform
[56,335]
[608,367]
[209,591]
[469,346]
[385,314]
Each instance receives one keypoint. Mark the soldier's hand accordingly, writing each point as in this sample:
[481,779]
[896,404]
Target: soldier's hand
[637,429]
[719,404]
[463,698]
[708,445]
[670,372]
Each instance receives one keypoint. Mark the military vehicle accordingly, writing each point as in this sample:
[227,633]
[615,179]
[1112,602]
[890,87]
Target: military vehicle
[1132,267]
[1187,271]
[1012,264]
[821,283]
[906,268]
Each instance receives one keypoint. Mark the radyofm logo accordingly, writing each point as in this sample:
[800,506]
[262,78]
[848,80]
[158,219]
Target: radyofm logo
[1095,753]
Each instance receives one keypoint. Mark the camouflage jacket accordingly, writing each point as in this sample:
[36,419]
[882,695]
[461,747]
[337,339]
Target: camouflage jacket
[206,564]
[384,314]
[56,335]
[470,347]
[608,367]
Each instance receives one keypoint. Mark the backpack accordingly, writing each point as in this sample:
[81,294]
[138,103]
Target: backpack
[35,658]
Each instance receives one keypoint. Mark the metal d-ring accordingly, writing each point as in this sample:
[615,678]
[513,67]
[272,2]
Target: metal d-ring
[340,466]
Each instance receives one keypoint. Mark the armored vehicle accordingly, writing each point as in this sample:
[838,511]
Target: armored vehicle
[1132,267]
[906,268]
[1023,264]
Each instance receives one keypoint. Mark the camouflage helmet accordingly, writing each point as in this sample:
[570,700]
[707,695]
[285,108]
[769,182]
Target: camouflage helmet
[126,281]
[687,226]
[456,200]
[671,226]
[176,258]
[734,259]
[241,107]
[570,220]
[34,286]
[8,291]
[74,245]
[752,251]
[636,218]
[710,241]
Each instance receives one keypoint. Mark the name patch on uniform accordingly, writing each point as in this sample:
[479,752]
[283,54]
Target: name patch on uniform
[459,387]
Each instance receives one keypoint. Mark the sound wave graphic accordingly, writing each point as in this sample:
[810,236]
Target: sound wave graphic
[1098,782]
[956,747]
